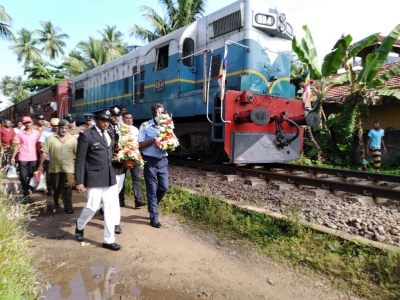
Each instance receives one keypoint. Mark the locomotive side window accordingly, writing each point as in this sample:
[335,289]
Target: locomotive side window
[188,49]
[162,57]
[126,85]
[78,94]
[141,86]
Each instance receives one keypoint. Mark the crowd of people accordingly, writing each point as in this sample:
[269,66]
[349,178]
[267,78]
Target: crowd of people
[81,157]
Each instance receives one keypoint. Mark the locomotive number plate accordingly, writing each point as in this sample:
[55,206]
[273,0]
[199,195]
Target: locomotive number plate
[159,85]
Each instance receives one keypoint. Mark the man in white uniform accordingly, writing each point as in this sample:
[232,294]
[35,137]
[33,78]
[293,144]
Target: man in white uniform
[95,175]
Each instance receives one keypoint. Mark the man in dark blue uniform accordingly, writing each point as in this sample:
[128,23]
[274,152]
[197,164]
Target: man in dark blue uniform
[156,166]
[95,175]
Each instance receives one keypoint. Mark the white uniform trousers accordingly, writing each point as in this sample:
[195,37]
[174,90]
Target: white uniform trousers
[120,184]
[109,196]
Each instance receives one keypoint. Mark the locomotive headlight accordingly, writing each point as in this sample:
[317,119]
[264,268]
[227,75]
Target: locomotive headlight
[265,19]
[281,27]
[282,18]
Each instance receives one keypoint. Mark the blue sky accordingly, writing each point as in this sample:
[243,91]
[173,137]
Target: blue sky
[326,19]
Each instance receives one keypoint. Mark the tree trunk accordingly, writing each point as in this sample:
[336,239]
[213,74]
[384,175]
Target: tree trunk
[359,149]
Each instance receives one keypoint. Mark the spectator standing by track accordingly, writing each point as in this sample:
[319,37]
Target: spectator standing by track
[375,143]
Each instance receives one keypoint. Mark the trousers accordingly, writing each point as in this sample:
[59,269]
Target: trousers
[156,179]
[26,169]
[137,191]
[376,154]
[109,196]
[62,183]
[49,181]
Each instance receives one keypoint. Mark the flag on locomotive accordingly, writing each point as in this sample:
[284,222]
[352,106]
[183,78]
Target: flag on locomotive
[222,72]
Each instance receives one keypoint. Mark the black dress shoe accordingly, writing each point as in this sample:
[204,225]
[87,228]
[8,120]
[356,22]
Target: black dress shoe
[57,206]
[69,211]
[49,193]
[118,229]
[78,233]
[113,246]
[101,211]
[155,224]
[122,204]
[139,204]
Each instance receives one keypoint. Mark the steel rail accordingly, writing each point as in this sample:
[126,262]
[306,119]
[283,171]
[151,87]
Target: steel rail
[338,172]
[324,183]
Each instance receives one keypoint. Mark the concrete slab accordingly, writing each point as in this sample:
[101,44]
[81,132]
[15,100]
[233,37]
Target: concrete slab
[282,186]
[230,178]
[256,181]
[363,200]
[316,193]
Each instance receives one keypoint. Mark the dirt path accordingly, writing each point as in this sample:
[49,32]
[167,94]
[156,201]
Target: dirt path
[173,262]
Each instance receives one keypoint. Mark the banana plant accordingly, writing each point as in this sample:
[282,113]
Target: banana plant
[367,79]
[332,62]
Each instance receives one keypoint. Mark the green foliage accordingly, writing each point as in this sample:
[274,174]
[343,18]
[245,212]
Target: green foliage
[41,77]
[357,47]
[177,14]
[16,267]
[333,61]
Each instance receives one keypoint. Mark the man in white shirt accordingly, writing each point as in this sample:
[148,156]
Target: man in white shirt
[43,137]
[53,105]
[137,192]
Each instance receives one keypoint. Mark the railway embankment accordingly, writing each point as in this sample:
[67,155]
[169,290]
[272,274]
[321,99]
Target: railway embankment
[353,243]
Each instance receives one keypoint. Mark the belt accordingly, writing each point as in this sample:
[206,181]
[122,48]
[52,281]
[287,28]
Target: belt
[155,158]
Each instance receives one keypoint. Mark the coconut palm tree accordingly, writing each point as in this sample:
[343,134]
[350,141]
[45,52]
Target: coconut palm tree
[5,25]
[52,39]
[113,43]
[93,51]
[5,86]
[25,47]
[75,64]
[178,14]
[14,88]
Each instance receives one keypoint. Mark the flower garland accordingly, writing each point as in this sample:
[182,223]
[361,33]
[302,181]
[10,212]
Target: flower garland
[128,147]
[166,140]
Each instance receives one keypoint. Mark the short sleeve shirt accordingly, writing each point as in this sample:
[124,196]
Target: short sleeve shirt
[53,105]
[27,142]
[376,136]
[62,153]
[45,134]
[7,136]
[148,131]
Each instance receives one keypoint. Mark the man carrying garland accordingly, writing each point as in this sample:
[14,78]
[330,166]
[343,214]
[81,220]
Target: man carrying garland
[156,166]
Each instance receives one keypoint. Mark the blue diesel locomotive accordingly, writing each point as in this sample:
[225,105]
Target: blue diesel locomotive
[258,120]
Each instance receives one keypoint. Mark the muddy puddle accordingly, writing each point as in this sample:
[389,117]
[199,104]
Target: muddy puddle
[95,283]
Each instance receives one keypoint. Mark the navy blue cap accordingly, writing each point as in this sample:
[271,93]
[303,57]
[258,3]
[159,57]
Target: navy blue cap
[104,113]
[88,116]
[40,117]
[70,119]
[115,110]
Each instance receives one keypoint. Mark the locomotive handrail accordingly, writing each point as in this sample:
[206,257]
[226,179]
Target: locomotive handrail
[229,42]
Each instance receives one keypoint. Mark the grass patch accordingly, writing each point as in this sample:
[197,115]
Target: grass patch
[351,266]
[17,275]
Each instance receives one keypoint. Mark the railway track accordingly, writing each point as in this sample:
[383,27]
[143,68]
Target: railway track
[363,183]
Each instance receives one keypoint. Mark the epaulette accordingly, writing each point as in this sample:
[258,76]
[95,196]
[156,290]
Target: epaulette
[146,124]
